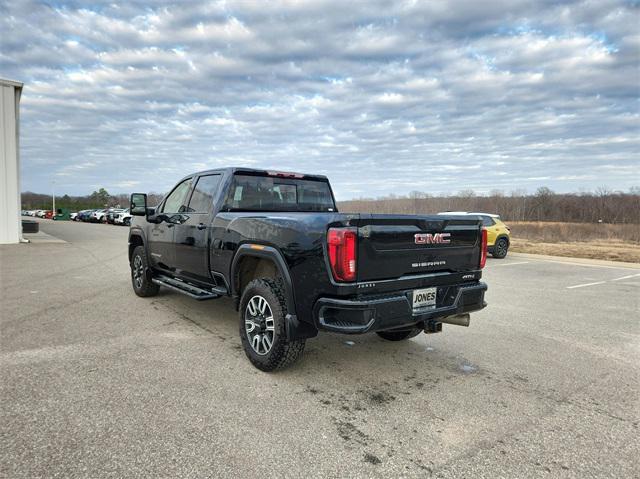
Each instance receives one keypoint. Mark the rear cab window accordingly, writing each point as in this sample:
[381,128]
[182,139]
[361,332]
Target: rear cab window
[255,192]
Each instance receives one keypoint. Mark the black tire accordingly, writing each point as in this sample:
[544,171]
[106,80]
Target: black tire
[501,248]
[399,335]
[282,352]
[126,222]
[141,275]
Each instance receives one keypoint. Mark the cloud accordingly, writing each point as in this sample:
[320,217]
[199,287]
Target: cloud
[383,97]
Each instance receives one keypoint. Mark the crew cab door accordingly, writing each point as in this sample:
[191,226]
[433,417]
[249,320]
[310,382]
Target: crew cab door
[161,234]
[193,230]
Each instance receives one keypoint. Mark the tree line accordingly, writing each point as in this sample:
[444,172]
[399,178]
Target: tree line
[98,199]
[603,205]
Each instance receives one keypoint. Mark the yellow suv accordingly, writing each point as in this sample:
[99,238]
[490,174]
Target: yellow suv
[498,234]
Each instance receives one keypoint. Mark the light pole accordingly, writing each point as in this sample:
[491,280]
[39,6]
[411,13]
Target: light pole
[53,195]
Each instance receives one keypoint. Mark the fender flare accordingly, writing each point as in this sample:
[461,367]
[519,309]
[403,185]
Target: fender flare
[296,329]
[503,236]
[270,253]
[138,232]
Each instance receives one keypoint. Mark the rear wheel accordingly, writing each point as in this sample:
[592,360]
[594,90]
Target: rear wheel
[262,326]
[399,335]
[127,221]
[501,248]
[140,277]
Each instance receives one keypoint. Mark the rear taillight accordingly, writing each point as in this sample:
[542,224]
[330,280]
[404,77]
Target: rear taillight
[341,246]
[483,249]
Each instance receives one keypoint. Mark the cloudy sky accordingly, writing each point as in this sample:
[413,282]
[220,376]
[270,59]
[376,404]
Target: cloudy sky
[383,97]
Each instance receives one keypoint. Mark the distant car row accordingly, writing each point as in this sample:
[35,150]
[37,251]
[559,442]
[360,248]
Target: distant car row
[48,214]
[114,216]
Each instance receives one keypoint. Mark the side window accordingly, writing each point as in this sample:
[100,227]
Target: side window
[203,194]
[487,221]
[175,202]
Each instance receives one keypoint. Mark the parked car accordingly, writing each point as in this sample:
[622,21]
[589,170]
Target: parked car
[123,218]
[498,234]
[73,216]
[84,215]
[111,214]
[40,213]
[98,216]
[48,215]
[276,242]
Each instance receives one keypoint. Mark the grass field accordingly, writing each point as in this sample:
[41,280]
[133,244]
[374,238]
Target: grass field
[579,240]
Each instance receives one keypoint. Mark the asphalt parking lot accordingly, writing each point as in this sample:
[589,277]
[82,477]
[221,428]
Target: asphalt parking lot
[97,382]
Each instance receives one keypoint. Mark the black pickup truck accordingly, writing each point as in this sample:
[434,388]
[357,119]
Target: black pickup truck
[276,243]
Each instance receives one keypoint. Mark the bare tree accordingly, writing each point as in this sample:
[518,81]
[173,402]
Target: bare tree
[544,205]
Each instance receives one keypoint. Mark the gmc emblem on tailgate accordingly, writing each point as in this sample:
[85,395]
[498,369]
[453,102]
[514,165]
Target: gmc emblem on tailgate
[435,238]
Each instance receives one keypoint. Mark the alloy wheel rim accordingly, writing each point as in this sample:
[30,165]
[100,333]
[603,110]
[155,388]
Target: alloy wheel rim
[259,325]
[138,271]
[501,246]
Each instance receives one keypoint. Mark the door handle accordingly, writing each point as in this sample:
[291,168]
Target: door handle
[201,226]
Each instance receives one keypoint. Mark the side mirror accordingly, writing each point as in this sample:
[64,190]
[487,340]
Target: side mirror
[138,205]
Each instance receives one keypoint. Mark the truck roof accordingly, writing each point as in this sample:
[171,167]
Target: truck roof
[240,169]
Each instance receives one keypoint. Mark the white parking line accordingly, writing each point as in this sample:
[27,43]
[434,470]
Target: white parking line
[585,285]
[586,265]
[512,264]
[603,282]
[626,277]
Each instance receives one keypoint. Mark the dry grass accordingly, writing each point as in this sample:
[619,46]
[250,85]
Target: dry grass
[553,232]
[578,240]
[614,251]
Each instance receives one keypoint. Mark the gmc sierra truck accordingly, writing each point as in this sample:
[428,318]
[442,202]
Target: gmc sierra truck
[276,243]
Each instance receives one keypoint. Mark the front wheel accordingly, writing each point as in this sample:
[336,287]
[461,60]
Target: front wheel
[140,277]
[262,326]
[501,248]
[399,335]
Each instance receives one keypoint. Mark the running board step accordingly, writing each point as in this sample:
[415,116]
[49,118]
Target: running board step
[188,289]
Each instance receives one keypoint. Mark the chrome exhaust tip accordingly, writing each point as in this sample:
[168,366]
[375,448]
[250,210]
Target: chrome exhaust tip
[458,319]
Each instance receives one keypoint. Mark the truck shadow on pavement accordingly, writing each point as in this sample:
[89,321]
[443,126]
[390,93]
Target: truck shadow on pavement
[352,357]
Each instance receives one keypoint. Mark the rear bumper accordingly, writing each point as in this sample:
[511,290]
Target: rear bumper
[394,311]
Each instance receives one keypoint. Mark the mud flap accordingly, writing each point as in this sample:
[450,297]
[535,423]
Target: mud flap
[297,330]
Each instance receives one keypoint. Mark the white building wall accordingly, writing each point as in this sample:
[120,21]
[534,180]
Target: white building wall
[10,222]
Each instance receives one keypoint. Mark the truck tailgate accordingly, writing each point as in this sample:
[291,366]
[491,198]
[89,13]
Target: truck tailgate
[390,246]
